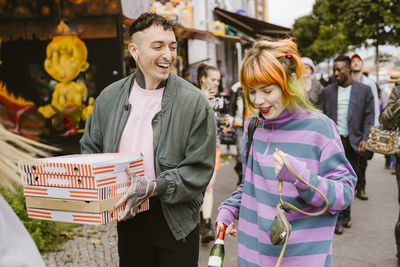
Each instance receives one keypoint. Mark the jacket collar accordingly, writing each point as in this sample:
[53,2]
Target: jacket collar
[169,91]
[142,82]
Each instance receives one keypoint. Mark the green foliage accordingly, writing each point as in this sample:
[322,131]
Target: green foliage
[377,20]
[46,234]
[306,30]
[334,26]
[318,41]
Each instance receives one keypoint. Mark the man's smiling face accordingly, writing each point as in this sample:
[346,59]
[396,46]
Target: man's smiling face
[154,50]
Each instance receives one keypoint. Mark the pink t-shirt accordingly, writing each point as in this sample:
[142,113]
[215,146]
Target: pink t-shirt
[138,133]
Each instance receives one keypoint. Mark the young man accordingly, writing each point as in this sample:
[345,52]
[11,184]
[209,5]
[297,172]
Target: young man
[170,121]
[356,74]
[357,65]
[350,105]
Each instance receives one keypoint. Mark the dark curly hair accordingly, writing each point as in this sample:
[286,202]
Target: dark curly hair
[148,19]
[344,59]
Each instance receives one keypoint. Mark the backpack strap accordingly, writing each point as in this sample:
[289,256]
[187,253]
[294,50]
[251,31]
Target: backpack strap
[250,132]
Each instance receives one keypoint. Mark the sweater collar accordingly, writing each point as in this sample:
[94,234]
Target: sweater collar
[283,118]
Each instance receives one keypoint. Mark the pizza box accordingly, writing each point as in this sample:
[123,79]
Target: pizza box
[80,217]
[72,181]
[98,194]
[79,188]
[85,165]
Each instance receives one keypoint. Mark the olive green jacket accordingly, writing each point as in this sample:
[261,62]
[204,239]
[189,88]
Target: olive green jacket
[184,144]
[390,116]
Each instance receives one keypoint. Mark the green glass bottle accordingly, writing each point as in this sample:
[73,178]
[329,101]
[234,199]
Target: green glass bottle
[218,250]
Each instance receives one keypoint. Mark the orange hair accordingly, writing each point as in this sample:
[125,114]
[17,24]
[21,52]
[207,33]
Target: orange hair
[275,62]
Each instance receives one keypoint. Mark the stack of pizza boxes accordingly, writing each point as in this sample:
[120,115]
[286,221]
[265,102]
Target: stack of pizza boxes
[79,188]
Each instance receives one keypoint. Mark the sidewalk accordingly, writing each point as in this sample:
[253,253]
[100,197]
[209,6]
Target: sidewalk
[370,241]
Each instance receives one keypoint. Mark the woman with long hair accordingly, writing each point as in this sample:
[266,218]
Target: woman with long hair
[289,132]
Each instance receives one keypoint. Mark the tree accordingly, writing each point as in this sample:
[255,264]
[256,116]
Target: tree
[348,23]
[377,21]
[316,40]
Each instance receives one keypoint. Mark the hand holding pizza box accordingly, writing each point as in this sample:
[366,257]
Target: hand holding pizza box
[79,188]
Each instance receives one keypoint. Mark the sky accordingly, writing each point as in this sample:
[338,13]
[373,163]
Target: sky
[285,12]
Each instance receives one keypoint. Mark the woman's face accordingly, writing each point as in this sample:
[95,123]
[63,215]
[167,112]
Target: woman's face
[211,82]
[268,99]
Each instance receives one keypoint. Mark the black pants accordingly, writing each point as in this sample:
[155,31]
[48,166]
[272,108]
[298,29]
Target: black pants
[397,227]
[147,241]
[353,158]
[362,163]
[239,148]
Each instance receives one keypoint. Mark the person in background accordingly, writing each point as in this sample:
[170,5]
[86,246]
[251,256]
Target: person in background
[393,162]
[390,161]
[271,76]
[390,119]
[394,77]
[170,121]
[187,75]
[16,245]
[311,85]
[221,88]
[238,112]
[378,89]
[208,80]
[356,74]
[326,79]
[357,65]
[350,105]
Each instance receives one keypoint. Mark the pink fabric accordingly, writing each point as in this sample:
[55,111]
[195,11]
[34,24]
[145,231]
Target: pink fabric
[138,133]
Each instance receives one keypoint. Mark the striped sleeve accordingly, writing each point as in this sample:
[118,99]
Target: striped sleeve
[336,178]
[228,211]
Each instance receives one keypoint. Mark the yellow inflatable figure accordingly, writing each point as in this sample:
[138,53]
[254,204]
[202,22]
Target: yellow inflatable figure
[66,58]
[88,110]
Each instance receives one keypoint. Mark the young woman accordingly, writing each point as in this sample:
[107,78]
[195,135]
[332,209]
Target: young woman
[208,78]
[289,129]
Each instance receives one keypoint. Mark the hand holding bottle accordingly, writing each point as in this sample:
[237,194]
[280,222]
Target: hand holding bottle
[229,231]
[217,253]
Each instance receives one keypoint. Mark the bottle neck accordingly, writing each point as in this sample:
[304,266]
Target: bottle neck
[221,235]
[219,242]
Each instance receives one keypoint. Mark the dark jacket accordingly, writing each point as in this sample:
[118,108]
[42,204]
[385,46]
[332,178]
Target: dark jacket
[183,138]
[390,116]
[236,94]
[361,110]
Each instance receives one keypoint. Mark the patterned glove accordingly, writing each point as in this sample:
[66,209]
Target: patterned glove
[140,190]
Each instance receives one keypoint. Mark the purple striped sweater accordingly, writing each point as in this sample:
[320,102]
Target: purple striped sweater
[315,151]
